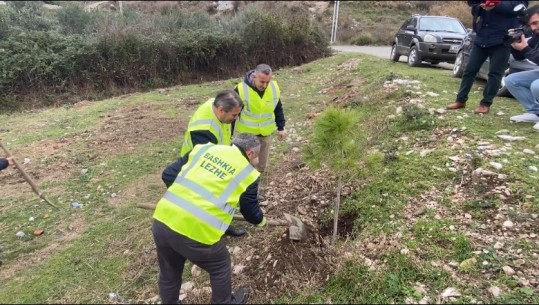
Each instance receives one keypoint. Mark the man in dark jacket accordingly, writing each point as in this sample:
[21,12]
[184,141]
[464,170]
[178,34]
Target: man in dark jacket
[262,112]
[213,122]
[492,20]
[205,186]
[524,86]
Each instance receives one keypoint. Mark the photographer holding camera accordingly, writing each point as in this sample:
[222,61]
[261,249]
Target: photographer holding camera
[524,86]
[491,21]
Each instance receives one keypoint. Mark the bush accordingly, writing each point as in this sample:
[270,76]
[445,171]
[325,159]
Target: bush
[98,54]
[362,40]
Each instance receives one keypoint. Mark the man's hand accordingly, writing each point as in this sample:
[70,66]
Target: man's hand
[281,135]
[519,45]
[9,160]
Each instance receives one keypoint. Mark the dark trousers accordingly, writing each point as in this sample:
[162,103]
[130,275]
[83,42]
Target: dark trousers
[499,57]
[174,249]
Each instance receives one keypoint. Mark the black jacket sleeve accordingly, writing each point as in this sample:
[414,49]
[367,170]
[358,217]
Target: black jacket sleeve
[249,207]
[171,172]
[279,116]
[3,163]
[202,137]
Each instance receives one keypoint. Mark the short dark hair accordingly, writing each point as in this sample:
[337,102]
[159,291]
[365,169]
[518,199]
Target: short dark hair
[227,99]
[532,11]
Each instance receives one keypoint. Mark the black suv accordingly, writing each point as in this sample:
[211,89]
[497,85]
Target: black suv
[428,38]
[463,57]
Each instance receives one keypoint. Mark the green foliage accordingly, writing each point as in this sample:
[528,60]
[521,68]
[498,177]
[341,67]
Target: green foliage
[362,39]
[335,140]
[73,19]
[77,54]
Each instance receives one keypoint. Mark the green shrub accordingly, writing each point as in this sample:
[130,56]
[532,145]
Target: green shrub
[362,39]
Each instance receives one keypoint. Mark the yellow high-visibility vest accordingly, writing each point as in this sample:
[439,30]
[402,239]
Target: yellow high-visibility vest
[203,198]
[204,119]
[257,116]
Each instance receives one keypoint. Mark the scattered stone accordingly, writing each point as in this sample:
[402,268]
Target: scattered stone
[511,138]
[440,111]
[502,131]
[450,292]
[508,270]
[113,297]
[31,219]
[38,232]
[508,224]
[532,168]
[494,291]
[467,264]
[83,171]
[20,234]
[496,165]
[498,245]
[186,287]
[528,151]
[76,204]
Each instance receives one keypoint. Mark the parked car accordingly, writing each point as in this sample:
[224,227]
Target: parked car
[428,38]
[463,57]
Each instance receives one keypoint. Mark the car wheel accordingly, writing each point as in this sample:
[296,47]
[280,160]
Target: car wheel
[395,56]
[503,92]
[413,57]
[458,69]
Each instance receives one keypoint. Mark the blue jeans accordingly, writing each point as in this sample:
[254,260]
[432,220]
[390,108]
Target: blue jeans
[524,86]
[499,58]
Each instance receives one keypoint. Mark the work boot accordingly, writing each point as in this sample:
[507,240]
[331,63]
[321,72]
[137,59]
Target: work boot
[236,232]
[482,109]
[240,296]
[456,105]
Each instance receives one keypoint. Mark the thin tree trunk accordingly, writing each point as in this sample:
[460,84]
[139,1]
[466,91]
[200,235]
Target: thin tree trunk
[336,214]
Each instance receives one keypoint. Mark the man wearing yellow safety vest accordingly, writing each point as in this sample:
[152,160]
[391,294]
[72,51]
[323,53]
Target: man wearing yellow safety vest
[212,123]
[205,187]
[262,112]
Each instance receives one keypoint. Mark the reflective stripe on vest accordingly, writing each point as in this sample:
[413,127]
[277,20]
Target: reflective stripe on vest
[200,216]
[205,119]
[254,122]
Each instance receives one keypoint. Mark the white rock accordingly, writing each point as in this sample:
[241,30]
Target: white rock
[532,168]
[502,131]
[405,251]
[440,111]
[450,292]
[31,219]
[508,270]
[508,224]
[511,138]
[500,113]
[498,245]
[467,216]
[494,291]
[186,287]
[20,234]
[237,269]
[496,165]
[528,151]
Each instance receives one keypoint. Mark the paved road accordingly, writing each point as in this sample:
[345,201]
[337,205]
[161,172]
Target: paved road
[382,52]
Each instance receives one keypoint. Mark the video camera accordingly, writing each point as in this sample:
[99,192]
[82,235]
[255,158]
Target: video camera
[522,29]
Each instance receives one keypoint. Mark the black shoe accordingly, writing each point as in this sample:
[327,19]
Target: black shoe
[240,296]
[236,232]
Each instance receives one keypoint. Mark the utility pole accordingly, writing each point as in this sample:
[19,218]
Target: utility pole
[335,21]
